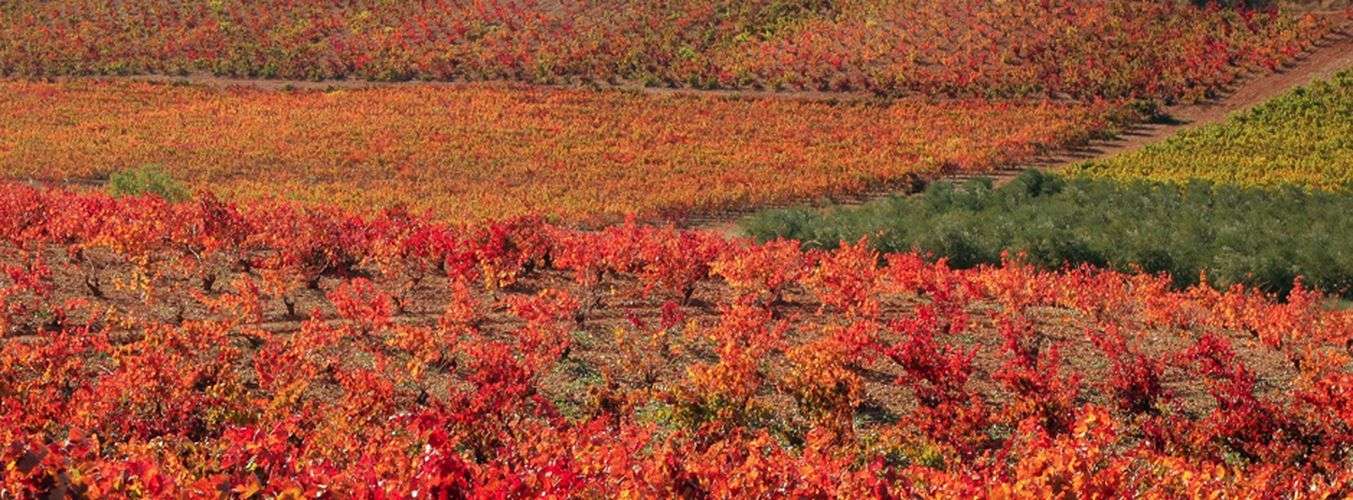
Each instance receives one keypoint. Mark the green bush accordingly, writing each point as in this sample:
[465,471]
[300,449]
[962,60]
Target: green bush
[1258,237]
[147,180]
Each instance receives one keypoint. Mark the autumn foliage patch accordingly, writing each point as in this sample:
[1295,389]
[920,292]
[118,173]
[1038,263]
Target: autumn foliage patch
[1166,50]
[205,348]
[478,153]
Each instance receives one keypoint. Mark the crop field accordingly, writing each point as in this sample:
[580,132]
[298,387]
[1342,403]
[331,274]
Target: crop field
[478,153]
[1110,49]
[490,249]
[1304,138]
[203,348]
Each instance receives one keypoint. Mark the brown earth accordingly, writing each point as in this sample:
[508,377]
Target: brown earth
[602,359]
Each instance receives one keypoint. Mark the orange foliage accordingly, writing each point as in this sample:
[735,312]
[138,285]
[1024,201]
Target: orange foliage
[361,400]
[476,153]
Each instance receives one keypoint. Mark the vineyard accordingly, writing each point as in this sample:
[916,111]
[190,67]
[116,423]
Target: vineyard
[203,348]
[1303,138]
[1149,49]
[460,249]
[480,153]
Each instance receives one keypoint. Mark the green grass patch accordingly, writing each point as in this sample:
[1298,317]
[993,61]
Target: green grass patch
[1264,238]
[146,180]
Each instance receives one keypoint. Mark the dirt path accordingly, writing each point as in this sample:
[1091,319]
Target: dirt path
[209,80]
[1330,55]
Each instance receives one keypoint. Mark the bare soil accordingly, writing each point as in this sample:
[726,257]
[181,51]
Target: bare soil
[600,361]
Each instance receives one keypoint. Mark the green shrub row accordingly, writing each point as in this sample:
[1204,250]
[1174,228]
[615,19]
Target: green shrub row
[1259,237]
